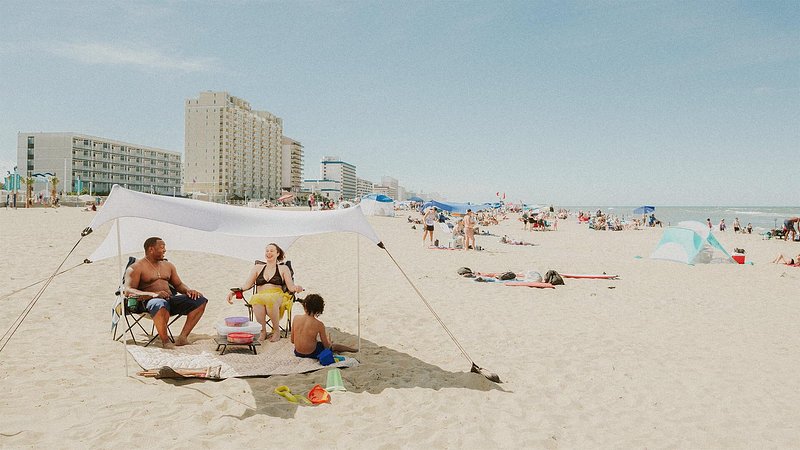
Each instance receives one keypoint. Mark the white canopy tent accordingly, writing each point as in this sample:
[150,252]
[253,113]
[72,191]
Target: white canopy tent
[210,227]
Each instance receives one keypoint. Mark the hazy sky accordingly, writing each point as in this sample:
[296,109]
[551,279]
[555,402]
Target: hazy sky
[597,102]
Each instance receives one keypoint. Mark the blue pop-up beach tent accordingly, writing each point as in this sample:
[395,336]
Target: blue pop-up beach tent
[454,208]
[377,205]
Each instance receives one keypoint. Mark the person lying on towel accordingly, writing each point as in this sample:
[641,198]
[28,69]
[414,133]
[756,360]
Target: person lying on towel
[307,328]
[788,261]
[149,280]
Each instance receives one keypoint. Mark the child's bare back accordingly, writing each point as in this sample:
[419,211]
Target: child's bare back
[305,330]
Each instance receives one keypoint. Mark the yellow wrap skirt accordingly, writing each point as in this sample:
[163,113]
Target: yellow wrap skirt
[272,296]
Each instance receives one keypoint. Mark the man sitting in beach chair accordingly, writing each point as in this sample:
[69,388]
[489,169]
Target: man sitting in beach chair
[150,280]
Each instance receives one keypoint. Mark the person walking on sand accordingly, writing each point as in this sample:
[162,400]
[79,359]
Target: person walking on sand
[149,280]
[790,225]
[708,222]
[736,225]
[429,220]
[469,230]
[721,224]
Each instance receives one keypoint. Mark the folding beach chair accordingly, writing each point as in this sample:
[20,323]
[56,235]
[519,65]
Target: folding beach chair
[133,315]
[286,307]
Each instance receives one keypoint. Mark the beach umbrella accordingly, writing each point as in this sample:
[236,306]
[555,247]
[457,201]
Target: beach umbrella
[644,209]
[416,199]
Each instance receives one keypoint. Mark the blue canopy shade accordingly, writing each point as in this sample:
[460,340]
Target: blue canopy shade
[415,199]
[379,198]
[644,209]
[454,208]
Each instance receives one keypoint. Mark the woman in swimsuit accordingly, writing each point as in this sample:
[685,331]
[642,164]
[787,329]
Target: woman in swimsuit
[788,261]
[270,292]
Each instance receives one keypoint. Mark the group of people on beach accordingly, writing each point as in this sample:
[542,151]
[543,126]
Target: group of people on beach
[154,284]
[737,226]
[463,233]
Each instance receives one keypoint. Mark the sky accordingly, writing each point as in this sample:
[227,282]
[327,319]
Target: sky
[570,103]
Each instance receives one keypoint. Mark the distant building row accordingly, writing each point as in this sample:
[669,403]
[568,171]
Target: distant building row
[230,151]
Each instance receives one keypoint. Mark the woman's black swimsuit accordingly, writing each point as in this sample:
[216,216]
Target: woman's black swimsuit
[276,279]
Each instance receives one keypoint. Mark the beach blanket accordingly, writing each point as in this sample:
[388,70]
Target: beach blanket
[273,358]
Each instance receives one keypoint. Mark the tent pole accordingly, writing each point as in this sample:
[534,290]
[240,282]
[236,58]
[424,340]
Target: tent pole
[358,287]
[119,265]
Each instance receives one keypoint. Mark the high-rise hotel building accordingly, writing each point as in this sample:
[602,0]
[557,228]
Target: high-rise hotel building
[85,163]
[292,171]
[231,150]
[333,168]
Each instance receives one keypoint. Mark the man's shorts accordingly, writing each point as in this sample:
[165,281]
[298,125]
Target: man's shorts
[177,304]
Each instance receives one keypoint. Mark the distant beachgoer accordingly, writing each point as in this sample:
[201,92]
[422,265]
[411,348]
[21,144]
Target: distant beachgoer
[722,225]
[736,225]
[654,221]
[788,262]
[790,225]
[708,222]
[469,230]
[430,222]
[749,228]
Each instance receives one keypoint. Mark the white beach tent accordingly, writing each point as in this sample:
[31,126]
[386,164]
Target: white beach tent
[377,205]
[690,243]
[211,227]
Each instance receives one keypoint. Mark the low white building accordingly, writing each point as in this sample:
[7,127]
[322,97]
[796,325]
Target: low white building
[94,164]
[330,189]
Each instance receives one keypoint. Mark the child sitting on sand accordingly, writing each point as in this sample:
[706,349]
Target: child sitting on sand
[306,329]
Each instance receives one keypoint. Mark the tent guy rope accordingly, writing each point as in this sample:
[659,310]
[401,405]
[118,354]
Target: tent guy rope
[21,318]
[491,376]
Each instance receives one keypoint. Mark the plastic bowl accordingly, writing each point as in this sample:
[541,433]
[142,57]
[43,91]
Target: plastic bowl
[236,321]
[240,338]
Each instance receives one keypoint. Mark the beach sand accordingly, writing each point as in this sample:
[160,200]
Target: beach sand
[667,356]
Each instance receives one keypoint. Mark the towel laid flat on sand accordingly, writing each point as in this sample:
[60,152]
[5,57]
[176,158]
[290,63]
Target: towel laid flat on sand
[273,358]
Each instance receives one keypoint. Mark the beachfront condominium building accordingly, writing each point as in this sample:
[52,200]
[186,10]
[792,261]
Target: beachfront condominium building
[328,189]
[333,168]
[291,165]
[389,187]
[231,150]
[91,164]
[382,190]
[363,187]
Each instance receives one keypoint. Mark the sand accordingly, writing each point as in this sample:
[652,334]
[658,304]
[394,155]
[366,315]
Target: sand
[667,356]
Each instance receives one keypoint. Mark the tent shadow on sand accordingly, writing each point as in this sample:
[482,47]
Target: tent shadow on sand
[397,371]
